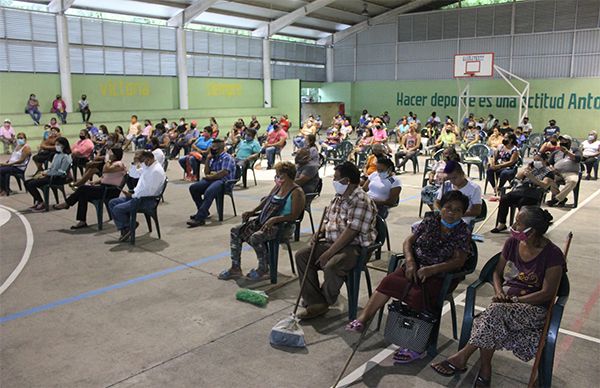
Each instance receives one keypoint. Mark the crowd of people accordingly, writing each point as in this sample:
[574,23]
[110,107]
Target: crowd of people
[366,189]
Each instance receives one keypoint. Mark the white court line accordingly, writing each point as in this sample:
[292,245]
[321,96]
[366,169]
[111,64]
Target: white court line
[26,254]
[379,357]
[564,331]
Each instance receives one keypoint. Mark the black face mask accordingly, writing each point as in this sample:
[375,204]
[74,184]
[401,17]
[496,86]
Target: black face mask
[505,142]
[214,152]
[81,137]
[566,145]
[553,142]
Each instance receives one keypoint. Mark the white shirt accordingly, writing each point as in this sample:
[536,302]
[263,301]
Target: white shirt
[151,181]
[471,190]
[590,149]
[379,189]
[159,156]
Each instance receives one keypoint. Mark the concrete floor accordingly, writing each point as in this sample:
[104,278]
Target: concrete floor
[85,312]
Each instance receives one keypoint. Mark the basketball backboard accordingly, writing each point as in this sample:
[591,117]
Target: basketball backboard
[474,65]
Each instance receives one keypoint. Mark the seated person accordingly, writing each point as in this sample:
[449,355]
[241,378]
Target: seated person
[409,147]
[346,129]
[235,136]
[46,150]
[284,123]
[364,143]
[200,149]
[112,176]
[334,138]
[457,180]
[100,140]
[552,129]
[401,129]
[56,173]
[521,138]
[135,129]
[16,164]
[550,145]
[7,136]
[591,151]
[219,167]
[275,142]
[159,154]
[383,187]
[309,128]
[311,146]
[525,280]
[349,225]
[82,150]
[150,184]
[285,203]
[437,176]
[438,245]
[565,163]
[377,151]
[144,136]
[447,138]
[307,171]
[529,187]
[379,132]
[471,136]
[247,151]
[503,164]
[495,139]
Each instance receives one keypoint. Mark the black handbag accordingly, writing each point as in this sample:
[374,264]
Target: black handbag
[408,328]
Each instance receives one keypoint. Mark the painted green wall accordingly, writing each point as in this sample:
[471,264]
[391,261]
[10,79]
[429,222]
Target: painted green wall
[573,103]
[286,98]
[15,89]
[224,93]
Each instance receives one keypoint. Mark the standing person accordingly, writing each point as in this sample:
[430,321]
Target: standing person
[219,168]
[135,128]
[56,174]
[32,108]
[150,184]
[275,142]
[591,151]
[349,225]
[16,164]
[525,281]
[84,108]
[7,136]
[60,108]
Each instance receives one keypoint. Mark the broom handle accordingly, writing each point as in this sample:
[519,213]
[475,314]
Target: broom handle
[362,335]
[486,220]
[310,260]
[542,343]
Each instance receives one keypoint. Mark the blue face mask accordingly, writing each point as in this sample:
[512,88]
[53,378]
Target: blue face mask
[249,138]
[450,225]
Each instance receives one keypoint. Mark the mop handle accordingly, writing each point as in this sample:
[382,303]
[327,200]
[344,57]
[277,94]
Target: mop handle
[538,356]
[362,335]
[310,260]
[486,220]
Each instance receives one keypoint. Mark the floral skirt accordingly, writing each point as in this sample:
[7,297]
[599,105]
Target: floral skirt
[510,326]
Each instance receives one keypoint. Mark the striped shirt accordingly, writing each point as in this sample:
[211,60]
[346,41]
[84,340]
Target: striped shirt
[356,211]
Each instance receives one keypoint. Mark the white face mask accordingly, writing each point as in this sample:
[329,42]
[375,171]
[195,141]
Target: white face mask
[58,148]
[591,138]
[538,164]
[384,174]
[339,188]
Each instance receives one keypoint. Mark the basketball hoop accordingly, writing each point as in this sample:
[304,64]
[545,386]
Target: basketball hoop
[474,65]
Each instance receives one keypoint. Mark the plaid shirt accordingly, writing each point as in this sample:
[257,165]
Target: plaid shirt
[224,162]
[356,211]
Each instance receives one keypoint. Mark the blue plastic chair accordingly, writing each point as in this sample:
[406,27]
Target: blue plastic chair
[309,198]
[547,361]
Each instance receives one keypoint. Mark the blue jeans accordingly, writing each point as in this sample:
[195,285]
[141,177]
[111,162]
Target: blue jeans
[299,141]
[194,163]
[203,193]
[62,116]
[121,209]
[35,114]
[271,152]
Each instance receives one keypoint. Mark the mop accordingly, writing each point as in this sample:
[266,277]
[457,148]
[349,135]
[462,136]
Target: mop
[287,332]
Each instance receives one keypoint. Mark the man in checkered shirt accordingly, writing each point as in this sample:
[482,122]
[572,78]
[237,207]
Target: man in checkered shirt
[349,225]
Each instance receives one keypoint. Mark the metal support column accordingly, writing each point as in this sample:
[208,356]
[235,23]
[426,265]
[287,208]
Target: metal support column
[267,73]
[329,64]
[182,74]
[64,60]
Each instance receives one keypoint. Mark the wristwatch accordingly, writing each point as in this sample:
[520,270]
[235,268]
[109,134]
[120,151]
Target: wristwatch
[515,299]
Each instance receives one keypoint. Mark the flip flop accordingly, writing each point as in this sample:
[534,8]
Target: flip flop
[254,275]
[411,356]
[481,382]
[355,326]
[447,365]
[228,274]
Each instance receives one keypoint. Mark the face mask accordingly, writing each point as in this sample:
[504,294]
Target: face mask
[519,235]
[214,152]
[181,122]
[538,164]
[383,175]
[450,225]
[339,188]
[58,148]
[566,145]
[81,137]
[505,142]
[20,141]
[591,138]
[553,142]
[249,138]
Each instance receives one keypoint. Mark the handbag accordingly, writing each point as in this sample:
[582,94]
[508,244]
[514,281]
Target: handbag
[408,328]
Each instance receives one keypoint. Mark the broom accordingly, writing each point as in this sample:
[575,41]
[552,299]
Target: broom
[287,332]
[538,356]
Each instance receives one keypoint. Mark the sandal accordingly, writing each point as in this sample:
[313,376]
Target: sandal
[231,273]
[448,366]
[257,275]
[481,382]
[498,230]
[355,326]
[405,356]
[79,226]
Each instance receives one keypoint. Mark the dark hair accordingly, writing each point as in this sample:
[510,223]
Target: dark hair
[218,142]
[208,129]
[22,134]
[160,127]
[454,156]
[251,132]
[132,116]
[57,129]
[455,195]
[512,137]
[85,132]
[146,154]
[65,143]
[119,129]
[103,128]
[117,152]
[164,120]
[452,166]
[350,171]
[387,162]
[312,139]
[536,218]
[287,168]
[155,143]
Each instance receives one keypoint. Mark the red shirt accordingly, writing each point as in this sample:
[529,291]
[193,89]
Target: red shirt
[284,124]
[276,136]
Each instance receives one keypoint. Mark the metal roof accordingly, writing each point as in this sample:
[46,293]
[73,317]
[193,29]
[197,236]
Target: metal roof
[308,19]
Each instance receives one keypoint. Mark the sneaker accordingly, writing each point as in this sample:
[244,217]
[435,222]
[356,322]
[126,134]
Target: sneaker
[39,208]
[552,202]
[195,223]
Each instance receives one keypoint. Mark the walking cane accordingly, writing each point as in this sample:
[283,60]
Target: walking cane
[538,355]
[360,339]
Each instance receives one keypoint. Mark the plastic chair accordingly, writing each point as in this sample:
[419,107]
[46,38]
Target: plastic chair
[228,190]
[150,214]
[79,164]
[353,278]
[55,187]
[283,236]
[245,169]
[309,198]
[482,215]
[445,295]
[547,361]
[429,162]
[100,203]
[415,162]
[339,154]
[20,177]
[482,153]
[534,142]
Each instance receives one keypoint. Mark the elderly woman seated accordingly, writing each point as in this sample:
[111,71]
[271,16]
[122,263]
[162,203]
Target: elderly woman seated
[284,204]
[438,245]
[383,187]
[106,187]
[531,183]
[525,280]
